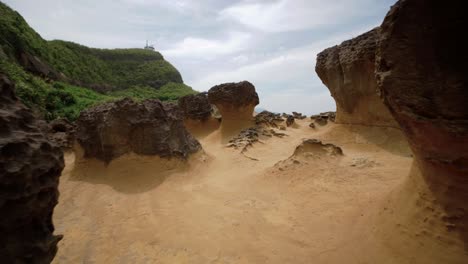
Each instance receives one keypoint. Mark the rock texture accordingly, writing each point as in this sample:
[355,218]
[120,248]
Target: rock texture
[423,80]
[196,106]
[59,131]
[29,175]
[316,147]
[234,100]
[267,118]
[150,127]
[348,72]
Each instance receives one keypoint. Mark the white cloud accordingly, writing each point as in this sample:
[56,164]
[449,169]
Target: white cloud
[300,101]
[287,67]
[290,15]
[208,48]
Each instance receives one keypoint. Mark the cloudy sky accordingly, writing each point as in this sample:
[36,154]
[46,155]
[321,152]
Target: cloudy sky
[271,43]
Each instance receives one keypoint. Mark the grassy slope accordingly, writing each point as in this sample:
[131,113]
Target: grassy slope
[134,73]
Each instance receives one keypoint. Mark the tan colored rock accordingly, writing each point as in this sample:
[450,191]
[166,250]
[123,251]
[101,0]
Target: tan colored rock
[348,72]
[234,101]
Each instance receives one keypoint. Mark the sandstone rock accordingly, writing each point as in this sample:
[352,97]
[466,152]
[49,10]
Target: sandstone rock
[348,72]
[268,119]
[59,131]
[312,125]
[298,115]
[196,106]
[321,120]
[29,175]
[289,120]
[316,147]
[150,127]
[423,80]
[234,100]
[331,116]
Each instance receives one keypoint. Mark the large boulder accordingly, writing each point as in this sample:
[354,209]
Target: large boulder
[150,127]
[423,79]
[196,106]
[29,176]
[234,100]
[348,72]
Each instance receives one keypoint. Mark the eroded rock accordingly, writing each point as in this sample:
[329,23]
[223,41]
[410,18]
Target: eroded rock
[59,131]
[196,106]
[29,175]
[289,120]
[149,127]
[348,72]
[424,83]
[268,119]
[234,100]
[316,147]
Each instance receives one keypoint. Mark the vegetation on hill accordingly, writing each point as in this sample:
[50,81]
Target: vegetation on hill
[80,76]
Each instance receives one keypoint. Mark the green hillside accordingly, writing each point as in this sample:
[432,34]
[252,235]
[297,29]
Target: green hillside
[60,78]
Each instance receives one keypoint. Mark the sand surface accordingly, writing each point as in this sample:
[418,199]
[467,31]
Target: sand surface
[222,207]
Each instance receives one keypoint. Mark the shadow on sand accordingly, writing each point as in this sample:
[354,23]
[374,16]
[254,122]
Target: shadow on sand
[128,174]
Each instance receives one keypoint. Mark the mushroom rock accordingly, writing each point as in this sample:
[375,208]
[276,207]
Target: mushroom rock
[236,103]
[29,176]
[150,127]
[348,72]
[423,81]
[198,114]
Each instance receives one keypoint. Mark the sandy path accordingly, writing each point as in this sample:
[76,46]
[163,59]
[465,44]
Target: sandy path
[230,209]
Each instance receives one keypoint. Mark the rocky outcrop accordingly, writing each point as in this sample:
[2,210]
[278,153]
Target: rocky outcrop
[424,83]
[59,131]
[29,175]
[196,106]
[267,118]
[314,147]
[234,101]
[348,72]
[149,127]
[34,65]
[298,115]
[289,120]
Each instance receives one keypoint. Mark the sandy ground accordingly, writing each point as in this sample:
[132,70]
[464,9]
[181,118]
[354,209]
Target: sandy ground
[225,208]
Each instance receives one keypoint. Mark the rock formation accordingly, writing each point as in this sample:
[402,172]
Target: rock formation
[29,175]
[268,119]
[423,80]
[196,106]
[150,127]
[316,147]
[59,131]
[235,101]
[289,120]
[348,72]
[298,115]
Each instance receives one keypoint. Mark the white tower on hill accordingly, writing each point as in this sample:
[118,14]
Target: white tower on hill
[149,47]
